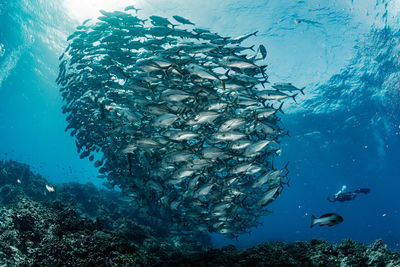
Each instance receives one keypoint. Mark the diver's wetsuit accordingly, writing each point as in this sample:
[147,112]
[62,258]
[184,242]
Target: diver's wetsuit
[362,190]
[347,196]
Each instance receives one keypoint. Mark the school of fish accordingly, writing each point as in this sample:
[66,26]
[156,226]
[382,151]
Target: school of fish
[182,119]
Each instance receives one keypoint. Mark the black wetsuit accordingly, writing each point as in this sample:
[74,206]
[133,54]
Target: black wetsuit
[362,190]
[347,196]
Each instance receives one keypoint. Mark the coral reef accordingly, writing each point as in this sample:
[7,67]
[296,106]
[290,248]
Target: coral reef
[79,225]
[34,235]
[313,253]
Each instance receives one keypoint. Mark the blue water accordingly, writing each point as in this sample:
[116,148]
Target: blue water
[344,131]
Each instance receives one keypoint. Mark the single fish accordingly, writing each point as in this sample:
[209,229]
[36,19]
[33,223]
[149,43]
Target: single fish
[165,120]
[329,219]
[288,87]
[228,136]
[204,117]
[231,124]
[269,196]
[182,20]
[255,148]
[131,7]
[160,21]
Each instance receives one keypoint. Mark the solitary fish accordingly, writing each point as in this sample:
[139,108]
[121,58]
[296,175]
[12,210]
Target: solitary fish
[182,20]
[50,188]
[329,219]
[288,87]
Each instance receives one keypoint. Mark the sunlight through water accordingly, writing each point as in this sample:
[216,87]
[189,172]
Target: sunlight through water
[82,10]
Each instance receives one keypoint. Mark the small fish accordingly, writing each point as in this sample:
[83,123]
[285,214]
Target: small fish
[275,95]
[50,188]
[182,20]
[214,153]
[200,30]
[228,136]
[204,189]
[202,72]
[238,63]
[256,148]
[288,87]
[204,117]
[240,39]
[269,196]
[263,51]
[180,135]
[231,124]
[147,143]
[329,219]
[160,21]
[178,156]
[131,7]
[165,120]
[240,144]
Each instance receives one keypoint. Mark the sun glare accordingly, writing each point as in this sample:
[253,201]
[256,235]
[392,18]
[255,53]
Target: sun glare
[84,9]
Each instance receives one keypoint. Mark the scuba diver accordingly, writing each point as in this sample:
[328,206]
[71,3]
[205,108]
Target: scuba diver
[342,195]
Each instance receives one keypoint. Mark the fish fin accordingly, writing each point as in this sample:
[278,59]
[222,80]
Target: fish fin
[262,68]
[280,108]
[235,102]
[253,58]
[226,73]
[286,165]
[313,218]
[264,82]
[294,97]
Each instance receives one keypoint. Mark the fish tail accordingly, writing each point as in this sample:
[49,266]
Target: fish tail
[313,218]
[280,108]
[262,83]
[287,132]
[286,165]
[262,68]
[227,73]
[287,183]
[294,97]
[252,48]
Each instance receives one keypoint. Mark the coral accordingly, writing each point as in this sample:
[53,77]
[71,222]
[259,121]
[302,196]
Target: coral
[313,253]
[33,234]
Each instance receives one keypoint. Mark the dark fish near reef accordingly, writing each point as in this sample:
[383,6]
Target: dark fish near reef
[329,219]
